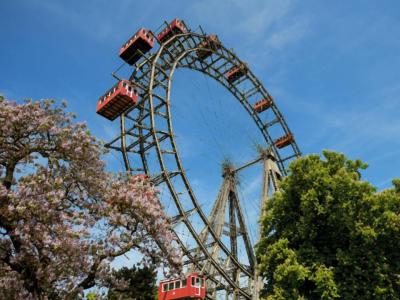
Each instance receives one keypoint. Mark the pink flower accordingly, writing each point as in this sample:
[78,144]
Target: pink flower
[64,217]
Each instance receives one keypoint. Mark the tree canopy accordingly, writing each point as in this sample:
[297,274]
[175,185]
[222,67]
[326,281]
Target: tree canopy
[140,284]
[328,234]
[63,218]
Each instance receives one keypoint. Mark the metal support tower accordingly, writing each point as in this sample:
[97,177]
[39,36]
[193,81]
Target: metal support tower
[271,178]
[226,219]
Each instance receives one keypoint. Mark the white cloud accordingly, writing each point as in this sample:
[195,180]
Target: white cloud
[99,24]
[361,127]
[286,35]
[264,26]
[253,18]
[258,17]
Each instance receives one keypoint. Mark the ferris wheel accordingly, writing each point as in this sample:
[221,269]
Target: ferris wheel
[147,144]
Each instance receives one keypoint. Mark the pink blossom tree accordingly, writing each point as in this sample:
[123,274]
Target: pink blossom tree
[63,218]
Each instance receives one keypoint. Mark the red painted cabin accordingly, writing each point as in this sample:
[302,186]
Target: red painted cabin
[118,99]
[192,287]
[284,141]
[236,72]
[262,105]
[175,27]
[136,46]
[210,43]
[143,176]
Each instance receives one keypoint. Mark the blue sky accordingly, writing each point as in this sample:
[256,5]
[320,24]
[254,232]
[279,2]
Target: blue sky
[332,67]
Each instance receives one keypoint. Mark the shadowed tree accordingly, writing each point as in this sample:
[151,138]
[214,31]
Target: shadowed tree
[327,234]
[140,284]
[63,218]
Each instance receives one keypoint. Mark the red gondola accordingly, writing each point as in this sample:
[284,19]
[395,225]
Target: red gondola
[136,46]
[236,72]
[210,43]
[192,287]
[118,99]
[284,141]
[143,176]
[175,27]
[262,105]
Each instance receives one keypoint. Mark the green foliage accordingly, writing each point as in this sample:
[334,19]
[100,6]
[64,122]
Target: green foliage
[327,234]
[92,296]
[140,284]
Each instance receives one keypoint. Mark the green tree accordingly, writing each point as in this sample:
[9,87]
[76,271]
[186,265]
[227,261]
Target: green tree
[140,284]
[327,234]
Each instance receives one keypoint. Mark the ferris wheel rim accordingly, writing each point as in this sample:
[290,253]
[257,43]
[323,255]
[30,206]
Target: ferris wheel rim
[183,175]
[165,171]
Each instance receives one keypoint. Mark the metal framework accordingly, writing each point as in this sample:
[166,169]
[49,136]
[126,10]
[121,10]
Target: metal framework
[147,144]
[226,218]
